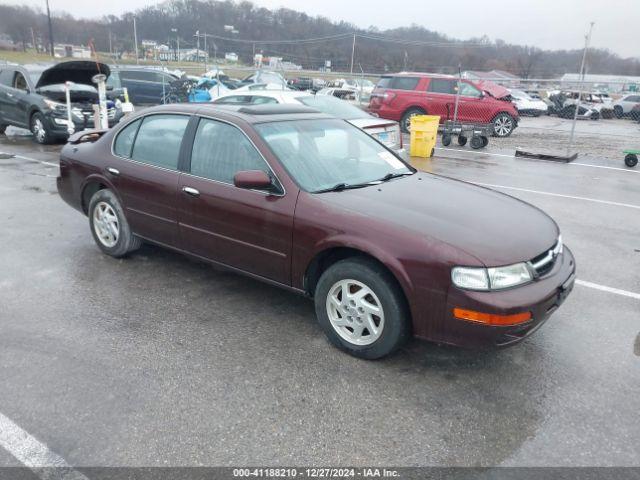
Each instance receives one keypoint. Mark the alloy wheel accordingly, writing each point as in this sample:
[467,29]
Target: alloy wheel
[38,130]
[106,225]
[503,126]
[355,312]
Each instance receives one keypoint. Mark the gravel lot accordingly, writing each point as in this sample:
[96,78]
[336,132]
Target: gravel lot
[157,360]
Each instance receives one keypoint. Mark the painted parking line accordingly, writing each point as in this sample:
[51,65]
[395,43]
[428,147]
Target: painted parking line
[34,454]
[604,288]
[586,199]
[15,155]
[572,164]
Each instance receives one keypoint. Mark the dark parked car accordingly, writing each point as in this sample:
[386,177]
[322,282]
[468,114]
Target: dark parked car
[34,97]
[315,205]
[145,86]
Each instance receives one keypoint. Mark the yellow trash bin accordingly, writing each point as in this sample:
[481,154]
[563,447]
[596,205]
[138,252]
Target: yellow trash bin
[424,133]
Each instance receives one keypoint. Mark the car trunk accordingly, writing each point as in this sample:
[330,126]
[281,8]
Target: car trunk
[385,132]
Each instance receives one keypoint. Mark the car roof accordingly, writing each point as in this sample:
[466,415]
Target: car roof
[419,74]
[249,113]
[272,93]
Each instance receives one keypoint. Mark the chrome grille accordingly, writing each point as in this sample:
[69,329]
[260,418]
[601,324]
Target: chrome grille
[543,263]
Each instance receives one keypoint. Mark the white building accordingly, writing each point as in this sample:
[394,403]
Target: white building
[231,57]
[73,51]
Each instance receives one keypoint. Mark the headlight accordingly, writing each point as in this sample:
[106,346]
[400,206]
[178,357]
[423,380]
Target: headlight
[495,278]
[61,107]
[509,276]
[471,278]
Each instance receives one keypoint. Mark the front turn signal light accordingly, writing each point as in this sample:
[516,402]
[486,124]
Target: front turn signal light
[490,318]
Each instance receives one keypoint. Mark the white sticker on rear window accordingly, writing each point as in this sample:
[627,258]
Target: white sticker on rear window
[391,160]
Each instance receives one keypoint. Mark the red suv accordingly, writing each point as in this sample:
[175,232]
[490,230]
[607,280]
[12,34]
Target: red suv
[401,96]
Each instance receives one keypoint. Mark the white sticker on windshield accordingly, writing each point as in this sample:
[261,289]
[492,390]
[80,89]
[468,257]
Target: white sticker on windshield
[392,160]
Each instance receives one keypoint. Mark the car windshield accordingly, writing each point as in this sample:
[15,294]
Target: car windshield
[330,154]
[333,106]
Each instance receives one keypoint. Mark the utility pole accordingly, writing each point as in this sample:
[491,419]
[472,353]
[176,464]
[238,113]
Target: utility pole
[206,52]
[135,40]
[110,44]
[177,49]
[353,51]
[33,40]
[50,30]
[587,40]
[198,46]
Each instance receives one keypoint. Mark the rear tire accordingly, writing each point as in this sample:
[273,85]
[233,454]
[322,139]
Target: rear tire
[3,128]
[618,111]
[109,226]
[462,140]
[356,295]
[631,160]
[503,125]
[405,121]
[446,139]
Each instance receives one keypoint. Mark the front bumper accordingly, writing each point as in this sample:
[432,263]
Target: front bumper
[58,123]
[541,297]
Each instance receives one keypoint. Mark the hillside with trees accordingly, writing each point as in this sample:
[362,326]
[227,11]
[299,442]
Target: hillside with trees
[408,48]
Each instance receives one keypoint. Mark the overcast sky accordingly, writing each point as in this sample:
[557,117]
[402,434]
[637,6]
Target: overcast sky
[552,24]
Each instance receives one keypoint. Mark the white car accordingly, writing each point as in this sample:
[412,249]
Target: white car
[527,105]
[386,132]
[624,105]
[363,86]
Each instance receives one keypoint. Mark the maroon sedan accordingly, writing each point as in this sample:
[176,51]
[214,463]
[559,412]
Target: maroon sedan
[313,204]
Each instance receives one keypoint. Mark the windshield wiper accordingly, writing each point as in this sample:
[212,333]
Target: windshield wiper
[392,175]
[338,187]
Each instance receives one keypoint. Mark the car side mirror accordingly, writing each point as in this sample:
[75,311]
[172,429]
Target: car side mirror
[253,180]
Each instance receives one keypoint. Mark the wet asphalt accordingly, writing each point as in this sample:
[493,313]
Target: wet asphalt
[161,360]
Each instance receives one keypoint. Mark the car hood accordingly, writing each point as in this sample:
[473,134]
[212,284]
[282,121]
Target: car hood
[77,71]
[493,89]
[493,227]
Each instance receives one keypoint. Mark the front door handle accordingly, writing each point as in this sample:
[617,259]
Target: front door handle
[191,191]
[10,95]
[113,171]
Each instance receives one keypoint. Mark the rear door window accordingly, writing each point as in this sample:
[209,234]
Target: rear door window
[6,77]
[158,140]
[441,85]
[124,140]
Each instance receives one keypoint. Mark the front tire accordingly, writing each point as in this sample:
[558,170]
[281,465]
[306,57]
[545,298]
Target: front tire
[503,125]
[631,160]
[40,130]
[405,121]
[361,308]
[109,226]
[3,128]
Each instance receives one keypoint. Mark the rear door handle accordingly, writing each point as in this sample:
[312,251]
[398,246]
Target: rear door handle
[113,171]
[191,191]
